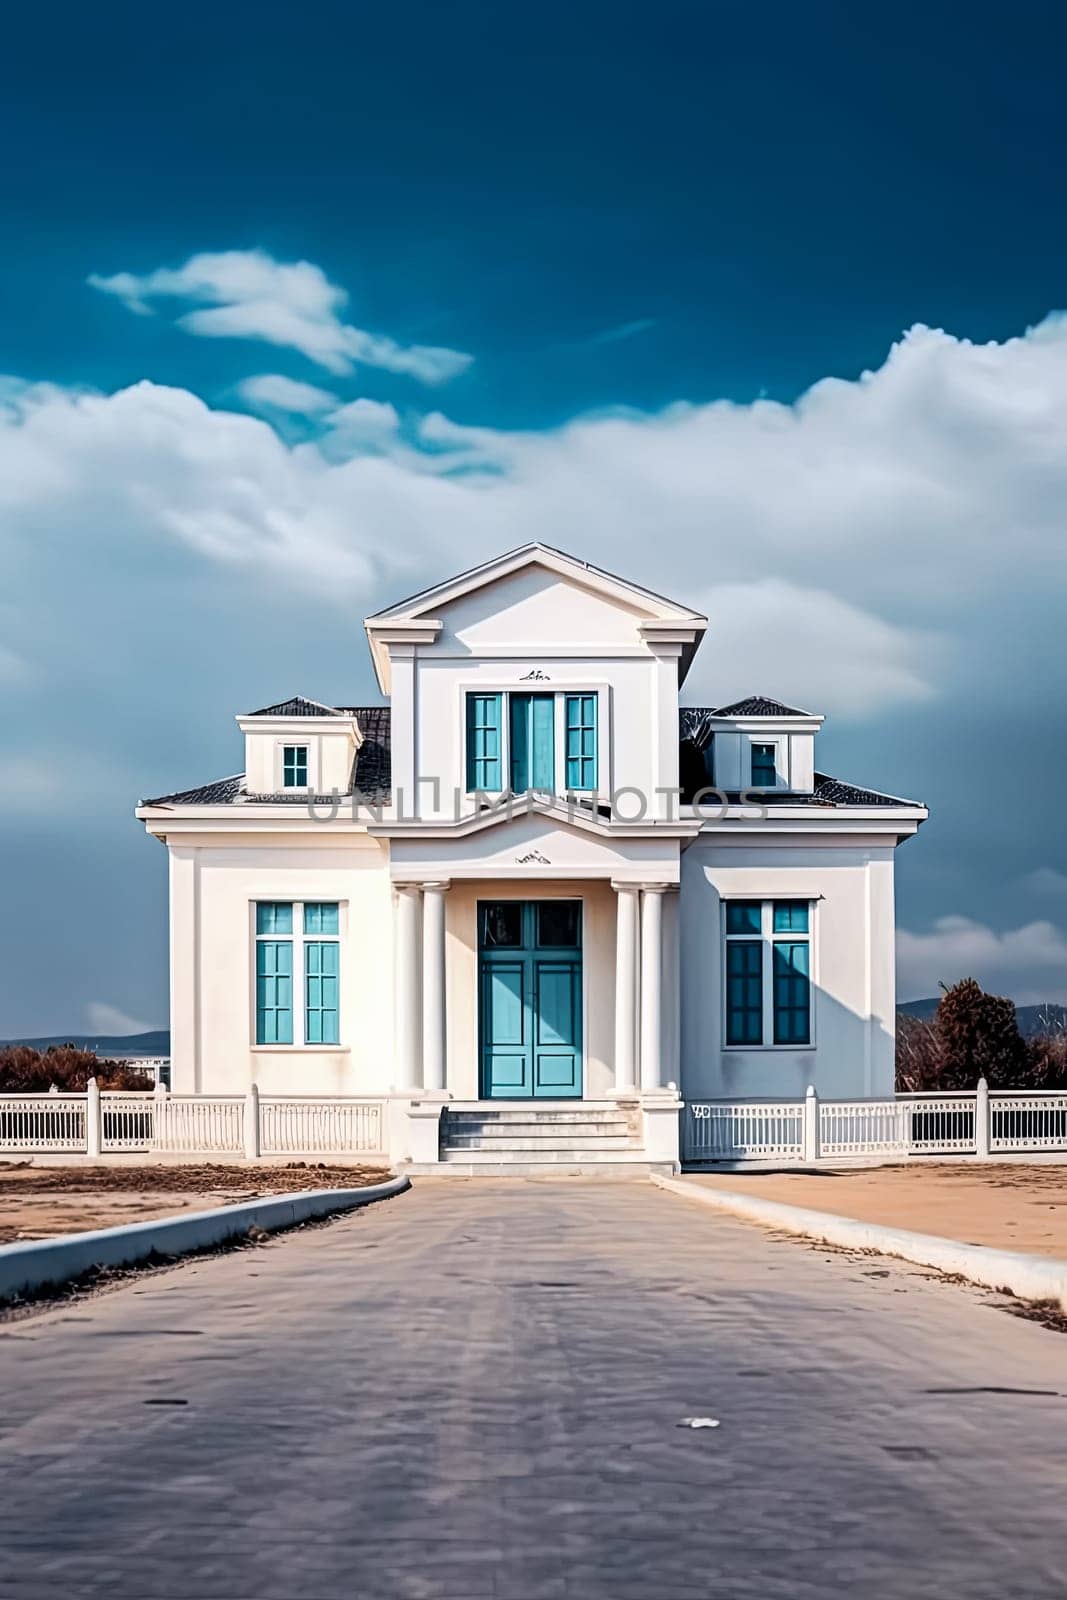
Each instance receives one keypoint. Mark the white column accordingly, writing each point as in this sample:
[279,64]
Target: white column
[406,988]
[626,935]
[433,986]
[651,987]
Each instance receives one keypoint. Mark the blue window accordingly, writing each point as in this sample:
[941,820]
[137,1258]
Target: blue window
[294,954]
[581,741]
[744,916]
[274,991]
[768,972]
[533,742]
[764,766]
[321,991]
[294,766]
[274,916]
[792,992]
[790,916]
[484,742]
[321,916]
[744,991]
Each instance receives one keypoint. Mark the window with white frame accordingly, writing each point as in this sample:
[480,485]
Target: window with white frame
[764,766]
[297,972]
[768,972]
[294,766]
[520,741]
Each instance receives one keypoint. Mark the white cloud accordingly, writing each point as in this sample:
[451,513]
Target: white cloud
[246,294]
[1027,963]
[1046,881]
[109,1019]
[850,549]
[272,391]
[806,637]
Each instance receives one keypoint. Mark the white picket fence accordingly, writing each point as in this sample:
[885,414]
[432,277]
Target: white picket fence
[113,1123]
[978,1124]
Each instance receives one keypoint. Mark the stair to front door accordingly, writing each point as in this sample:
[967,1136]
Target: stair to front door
[542,1137]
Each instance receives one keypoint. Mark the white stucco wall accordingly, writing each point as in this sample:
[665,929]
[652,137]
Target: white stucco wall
[496,640]
[331,746]
[214,885]
[852,955]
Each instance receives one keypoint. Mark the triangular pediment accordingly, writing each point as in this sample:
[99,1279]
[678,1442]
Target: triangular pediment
[534,596]
[643,602]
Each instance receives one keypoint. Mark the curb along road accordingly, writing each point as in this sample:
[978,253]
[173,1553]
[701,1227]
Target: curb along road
[1028,1277]
[30,1265]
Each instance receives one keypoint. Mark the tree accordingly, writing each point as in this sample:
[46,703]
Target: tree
[978,1037]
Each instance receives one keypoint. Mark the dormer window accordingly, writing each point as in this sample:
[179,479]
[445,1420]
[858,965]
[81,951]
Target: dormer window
[294,766]
[764,766]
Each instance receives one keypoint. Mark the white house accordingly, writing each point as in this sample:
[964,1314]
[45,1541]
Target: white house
[530,900]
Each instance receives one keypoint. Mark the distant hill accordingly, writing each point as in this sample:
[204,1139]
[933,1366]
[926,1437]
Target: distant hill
[124,1045]
[1049,1018]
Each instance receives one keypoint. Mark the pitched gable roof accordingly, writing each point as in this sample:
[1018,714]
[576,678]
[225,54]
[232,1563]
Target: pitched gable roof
[758,705]
[298,706]
[412,621]
[544,555]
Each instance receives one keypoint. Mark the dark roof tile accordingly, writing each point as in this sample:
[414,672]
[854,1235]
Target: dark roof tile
[758,705]
[298,706]
[219,793]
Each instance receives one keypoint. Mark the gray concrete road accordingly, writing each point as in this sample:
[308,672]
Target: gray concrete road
[475,1389]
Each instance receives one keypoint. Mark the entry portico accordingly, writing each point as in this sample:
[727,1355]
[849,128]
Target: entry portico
[539,850]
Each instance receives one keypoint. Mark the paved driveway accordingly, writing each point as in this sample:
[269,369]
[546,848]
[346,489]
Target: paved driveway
[474,1390]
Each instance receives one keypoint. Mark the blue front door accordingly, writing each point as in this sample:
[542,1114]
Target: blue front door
[530,998]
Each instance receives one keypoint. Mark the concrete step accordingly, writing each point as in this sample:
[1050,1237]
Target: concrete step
[604,1171]
[547,1141]
[528,1113]
[524,1127]
[546,1154]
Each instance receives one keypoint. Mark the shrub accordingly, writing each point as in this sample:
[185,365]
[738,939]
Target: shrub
[27,1071]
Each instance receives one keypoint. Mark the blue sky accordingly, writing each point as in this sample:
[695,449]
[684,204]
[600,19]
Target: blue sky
[757,305]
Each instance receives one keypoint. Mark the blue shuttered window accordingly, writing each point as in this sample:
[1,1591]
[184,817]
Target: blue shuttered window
[581,741]
[744,991]
[528,759]
[274,991]
[533,742]
[484,742]
[321,992]
[305,959]
[768,972]
[792,992]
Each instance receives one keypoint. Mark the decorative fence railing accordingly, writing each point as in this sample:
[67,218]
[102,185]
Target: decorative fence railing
[320,1127]
[31,1122]
[977,1124]
[114,1123]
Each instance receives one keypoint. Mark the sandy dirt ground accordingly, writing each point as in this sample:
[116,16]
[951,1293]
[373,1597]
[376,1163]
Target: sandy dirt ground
[1007,1205]
[40,1202]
